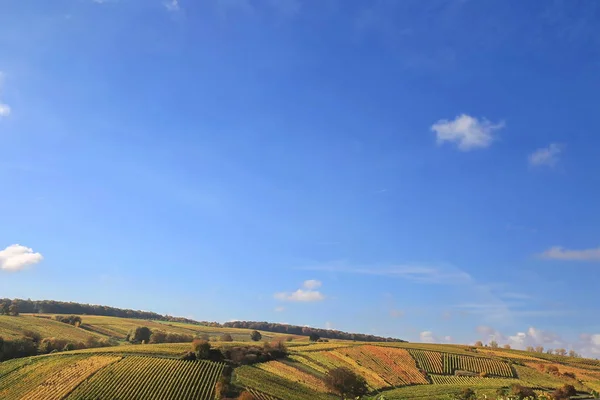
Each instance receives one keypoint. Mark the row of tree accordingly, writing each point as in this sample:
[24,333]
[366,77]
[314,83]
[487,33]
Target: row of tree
[307,331]
[32,344]
[537,349]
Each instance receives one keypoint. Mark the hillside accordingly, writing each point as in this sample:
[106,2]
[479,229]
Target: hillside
[52,307]
[394,370]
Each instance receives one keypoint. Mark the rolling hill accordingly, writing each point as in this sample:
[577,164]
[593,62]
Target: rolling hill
[95,360]
[156,371]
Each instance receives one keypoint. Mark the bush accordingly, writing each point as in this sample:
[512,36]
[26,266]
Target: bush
[141,334]
[189,356]
[226,337]
[467,394]
[201,348]
[255,336]
[345,383]
[34,336]
[521,392]
[74,320]
[22,347]
[564,392]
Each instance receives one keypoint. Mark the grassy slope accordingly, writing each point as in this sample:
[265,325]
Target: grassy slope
[267,382]
[13,327]
[107,327]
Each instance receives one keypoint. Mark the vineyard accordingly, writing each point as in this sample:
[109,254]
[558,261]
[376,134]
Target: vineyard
[257,379]
[28,376]
[394,365]
[261,396]
[151,378]
[66,379]
[293,374]
[429,361]
[453,363]
[471,381]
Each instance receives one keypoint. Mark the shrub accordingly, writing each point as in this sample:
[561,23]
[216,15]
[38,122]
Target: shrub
[345,383]
[521,392]
[141,334]
[226,337]
[467,394]
[201,348]
[255,336]
[189,356]
[74,320]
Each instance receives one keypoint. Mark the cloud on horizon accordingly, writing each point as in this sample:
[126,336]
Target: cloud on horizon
[468,133]
[560,253]
[17,257]
[546,156]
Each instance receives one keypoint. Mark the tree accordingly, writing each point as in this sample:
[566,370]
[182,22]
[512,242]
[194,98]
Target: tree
[226,337]
[549,351]
[494,344]
[507,346]
[13,309]
[572,353]
[539,349]
[467,394]
[521,392]
[552,370]
[314,337]
[560,352]
[4,306]
[255,336]
[479,343]
[564,393]
[201,348]
[345,383]
[141,334]
[530,349]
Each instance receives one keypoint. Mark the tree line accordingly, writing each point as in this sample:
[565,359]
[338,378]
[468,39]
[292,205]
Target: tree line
[16,306]
[537,349]
[307,331]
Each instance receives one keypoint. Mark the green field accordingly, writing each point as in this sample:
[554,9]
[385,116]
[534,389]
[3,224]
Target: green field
[112,327]
[155,371]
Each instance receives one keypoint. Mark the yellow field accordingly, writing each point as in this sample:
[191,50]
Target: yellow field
[14,327]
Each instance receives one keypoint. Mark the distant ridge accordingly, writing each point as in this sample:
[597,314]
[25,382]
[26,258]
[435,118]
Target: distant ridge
[62,307]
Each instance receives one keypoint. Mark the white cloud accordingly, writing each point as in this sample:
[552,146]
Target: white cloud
[306,294]
[467,132]
[560,253]
[546,156]
[328,325]
[423,274]
[312,284]
[5,109]
[17,257]
[173,5]
[427,337]
[279,309]
[300,295]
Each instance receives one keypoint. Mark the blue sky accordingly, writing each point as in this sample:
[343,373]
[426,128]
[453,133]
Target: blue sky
[421,169]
